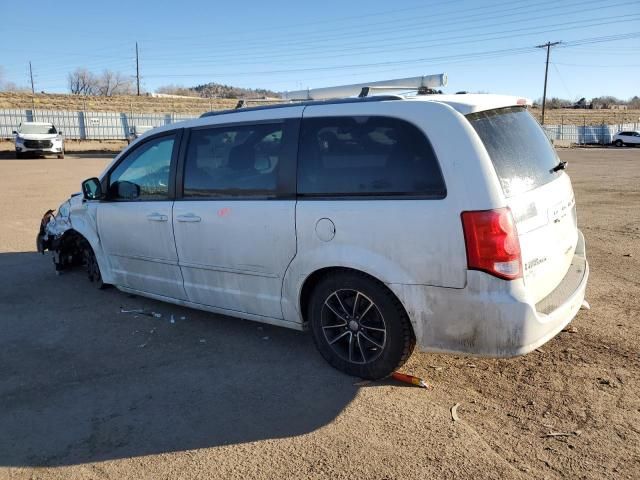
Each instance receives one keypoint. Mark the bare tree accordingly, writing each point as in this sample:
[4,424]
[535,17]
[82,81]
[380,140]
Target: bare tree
[114,83]
[83,82]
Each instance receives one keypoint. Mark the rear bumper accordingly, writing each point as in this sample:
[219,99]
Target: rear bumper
[492,317]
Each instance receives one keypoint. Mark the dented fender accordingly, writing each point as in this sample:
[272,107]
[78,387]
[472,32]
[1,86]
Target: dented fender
[74,217]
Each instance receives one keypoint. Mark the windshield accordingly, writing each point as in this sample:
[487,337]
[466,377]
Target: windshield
[31,128]
[519,149]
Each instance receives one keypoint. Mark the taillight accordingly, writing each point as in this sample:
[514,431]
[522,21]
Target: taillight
[492,243]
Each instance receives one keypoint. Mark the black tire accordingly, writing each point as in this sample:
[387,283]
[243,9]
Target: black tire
[618,143]
[91,264]
[374,340]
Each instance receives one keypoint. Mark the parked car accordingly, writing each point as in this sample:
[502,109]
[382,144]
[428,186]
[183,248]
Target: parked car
[137,131]
[376,222]
[38,138]
[628,138]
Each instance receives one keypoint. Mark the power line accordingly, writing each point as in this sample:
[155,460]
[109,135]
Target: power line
[397,62]
[307,44]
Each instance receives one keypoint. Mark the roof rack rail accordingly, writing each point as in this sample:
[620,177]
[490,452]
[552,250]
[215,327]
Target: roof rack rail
[269,100]
[303,103]
[421,84]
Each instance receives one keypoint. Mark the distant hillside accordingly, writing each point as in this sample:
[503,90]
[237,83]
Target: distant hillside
[118,103]
[217,90]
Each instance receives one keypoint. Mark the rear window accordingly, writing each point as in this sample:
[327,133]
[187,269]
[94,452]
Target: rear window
[366,156]
[521,154]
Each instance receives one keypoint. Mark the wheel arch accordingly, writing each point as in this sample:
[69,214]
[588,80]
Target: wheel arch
[312,280]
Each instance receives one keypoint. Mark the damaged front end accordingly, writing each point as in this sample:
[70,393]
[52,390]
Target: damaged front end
[57,235]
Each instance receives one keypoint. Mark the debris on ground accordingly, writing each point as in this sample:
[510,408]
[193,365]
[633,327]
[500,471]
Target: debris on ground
[172,320]
[183,318]
[410,379]
[362,383]
[156,315]
[135,310]
[454,413]
[585,305]
[471,365]
[436,367]
[570,330]
[563,434]
[202,340]
[265,338]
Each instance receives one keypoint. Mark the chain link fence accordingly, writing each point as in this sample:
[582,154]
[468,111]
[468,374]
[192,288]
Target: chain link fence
[86,125]
[587,134]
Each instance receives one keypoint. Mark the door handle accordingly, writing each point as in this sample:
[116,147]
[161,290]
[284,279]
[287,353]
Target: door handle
[156,217]
[189,217]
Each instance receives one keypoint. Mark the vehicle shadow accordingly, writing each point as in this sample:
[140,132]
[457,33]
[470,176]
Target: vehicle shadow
[80,381]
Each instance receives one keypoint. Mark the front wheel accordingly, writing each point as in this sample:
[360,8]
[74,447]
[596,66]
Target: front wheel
[91,264]
[359,326]
[618,143]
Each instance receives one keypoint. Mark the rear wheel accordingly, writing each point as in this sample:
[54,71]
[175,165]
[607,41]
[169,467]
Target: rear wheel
[618,143]
[359,326]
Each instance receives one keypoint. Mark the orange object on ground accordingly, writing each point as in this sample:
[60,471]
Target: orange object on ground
[410,379]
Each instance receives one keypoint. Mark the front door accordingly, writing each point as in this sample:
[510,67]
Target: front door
[134,223]
[235,223]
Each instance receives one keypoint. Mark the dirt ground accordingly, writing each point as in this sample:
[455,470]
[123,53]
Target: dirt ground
[88,392]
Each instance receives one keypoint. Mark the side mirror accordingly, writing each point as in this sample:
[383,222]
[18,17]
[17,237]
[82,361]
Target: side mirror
[15,132]
[92,189]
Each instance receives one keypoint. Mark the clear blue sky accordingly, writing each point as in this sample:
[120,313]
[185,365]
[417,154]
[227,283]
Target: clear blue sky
[286,45]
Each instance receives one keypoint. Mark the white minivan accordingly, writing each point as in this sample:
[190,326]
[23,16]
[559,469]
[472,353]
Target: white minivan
[376,222]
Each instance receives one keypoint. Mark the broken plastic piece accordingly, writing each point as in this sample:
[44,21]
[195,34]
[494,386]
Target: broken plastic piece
[135,310]
[410,379]
[585,305]
[454,412]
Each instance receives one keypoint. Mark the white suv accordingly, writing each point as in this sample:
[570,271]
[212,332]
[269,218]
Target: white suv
[630,138]
[38,138]
[377,223]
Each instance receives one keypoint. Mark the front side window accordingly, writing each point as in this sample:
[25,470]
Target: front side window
[360,156]
[241,160]
[144,173]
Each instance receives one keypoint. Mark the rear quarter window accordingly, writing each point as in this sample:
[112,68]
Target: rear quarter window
[520,151]
[366,156]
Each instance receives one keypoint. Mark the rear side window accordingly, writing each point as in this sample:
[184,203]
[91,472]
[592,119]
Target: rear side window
[357,156]
[241,160]
[521,154]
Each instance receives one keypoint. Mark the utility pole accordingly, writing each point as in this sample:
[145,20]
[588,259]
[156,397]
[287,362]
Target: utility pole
[137,70]
[548,46]
[33,90]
